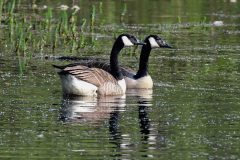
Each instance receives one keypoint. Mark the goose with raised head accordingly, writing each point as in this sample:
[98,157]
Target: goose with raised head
[142,79]
[84,80]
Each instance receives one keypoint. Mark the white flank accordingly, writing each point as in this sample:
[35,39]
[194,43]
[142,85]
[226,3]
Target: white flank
[153,43]
[72,85]
[122,84]
[126,41]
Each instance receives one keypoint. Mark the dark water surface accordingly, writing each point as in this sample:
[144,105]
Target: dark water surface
[193,111]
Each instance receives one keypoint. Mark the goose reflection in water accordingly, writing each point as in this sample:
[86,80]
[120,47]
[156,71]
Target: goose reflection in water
[144,100]
[90,109]
[122,140]
[93,110]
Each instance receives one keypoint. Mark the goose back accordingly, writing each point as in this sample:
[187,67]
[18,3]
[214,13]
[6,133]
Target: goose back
[127,72]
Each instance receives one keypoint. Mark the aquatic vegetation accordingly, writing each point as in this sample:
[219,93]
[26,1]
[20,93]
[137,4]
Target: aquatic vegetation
[1,6]
[46,30]
[123,13]
[93,14]
[48,18]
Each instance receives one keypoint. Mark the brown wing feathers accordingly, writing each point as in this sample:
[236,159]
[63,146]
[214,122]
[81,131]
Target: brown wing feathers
[94,76]
[98,64]
[126,71]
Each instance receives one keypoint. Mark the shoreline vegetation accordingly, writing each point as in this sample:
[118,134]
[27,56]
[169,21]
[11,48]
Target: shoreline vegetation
[42,30]
[37,30]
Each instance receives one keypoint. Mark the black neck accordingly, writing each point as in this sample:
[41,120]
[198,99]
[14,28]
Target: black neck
[143,64]
[114,65]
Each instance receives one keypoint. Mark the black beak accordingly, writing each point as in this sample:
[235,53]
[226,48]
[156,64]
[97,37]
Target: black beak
[138,42]
[166,46]
[163,44]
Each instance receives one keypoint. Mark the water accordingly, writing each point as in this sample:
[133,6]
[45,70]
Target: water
[192,112]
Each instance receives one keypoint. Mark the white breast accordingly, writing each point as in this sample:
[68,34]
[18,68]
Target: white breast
[143,83]
[130,82]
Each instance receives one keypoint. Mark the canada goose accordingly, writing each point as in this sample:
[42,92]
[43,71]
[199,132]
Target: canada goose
[142,79]
[79,79]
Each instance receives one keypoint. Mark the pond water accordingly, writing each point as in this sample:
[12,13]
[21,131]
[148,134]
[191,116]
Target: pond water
[193,111]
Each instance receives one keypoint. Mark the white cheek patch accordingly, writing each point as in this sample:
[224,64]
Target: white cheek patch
[153,43]
[126,41]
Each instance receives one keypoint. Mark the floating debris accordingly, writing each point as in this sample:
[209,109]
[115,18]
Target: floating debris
[44,7]
[75,8]
[34,6]
[63,7]
[218,23]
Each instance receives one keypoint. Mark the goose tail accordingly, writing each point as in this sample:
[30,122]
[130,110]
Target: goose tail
[58,67]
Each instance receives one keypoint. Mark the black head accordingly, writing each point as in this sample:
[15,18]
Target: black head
[156,42]
[129,40]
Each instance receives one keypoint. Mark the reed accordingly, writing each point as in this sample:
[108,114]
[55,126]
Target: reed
[123,13]
[11,7]
[1,10]
[179,19]
[48,19]
[55,38]
[93,15]
[100,7]
[63,24]
[21,64]
[81,43]
[84,21]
